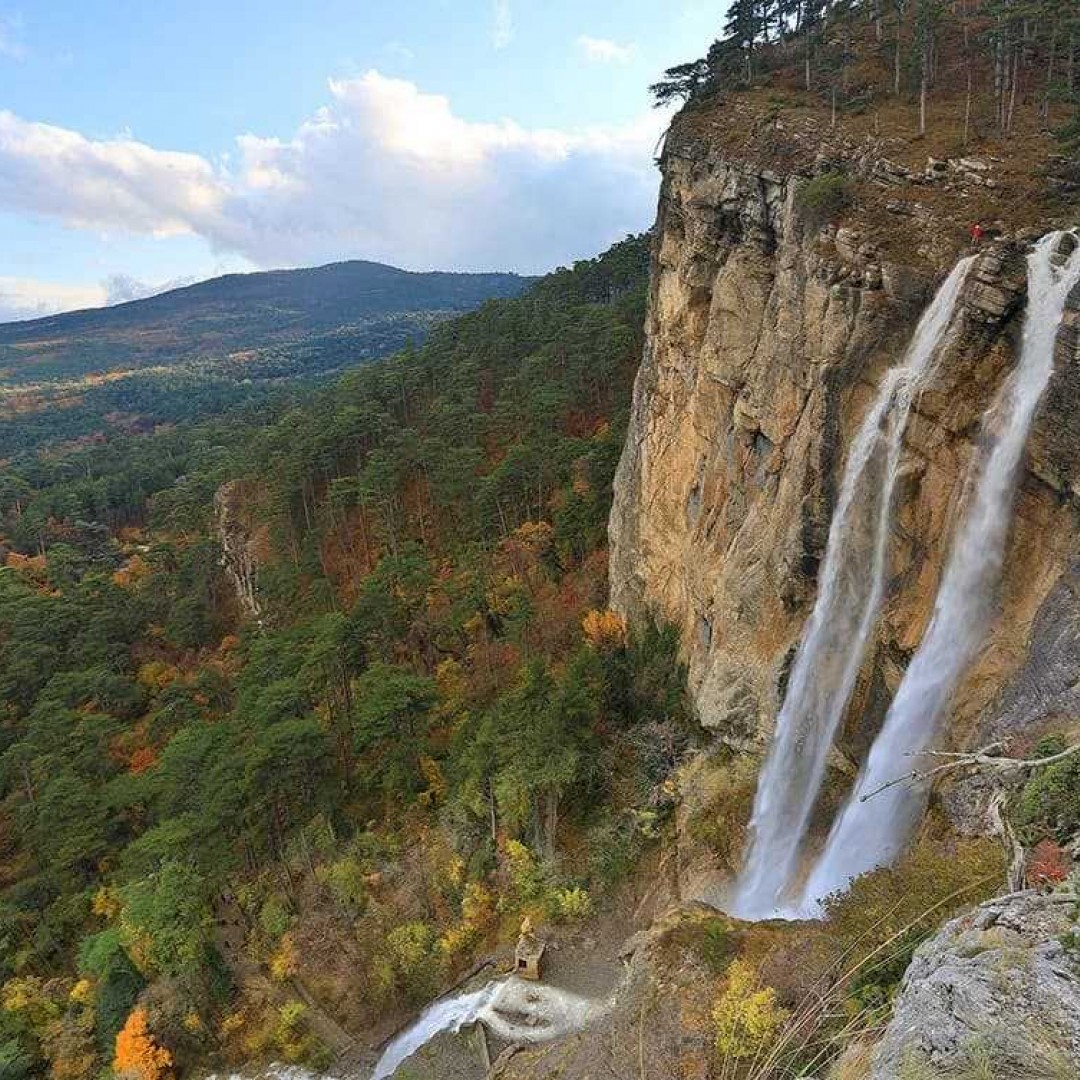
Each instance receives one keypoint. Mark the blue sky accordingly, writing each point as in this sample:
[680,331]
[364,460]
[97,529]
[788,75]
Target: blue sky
[143,144]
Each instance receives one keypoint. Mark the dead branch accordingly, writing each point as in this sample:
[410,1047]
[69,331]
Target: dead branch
[989,757]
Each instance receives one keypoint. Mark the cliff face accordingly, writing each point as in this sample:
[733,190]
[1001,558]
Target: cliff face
[768,334]
[244,543]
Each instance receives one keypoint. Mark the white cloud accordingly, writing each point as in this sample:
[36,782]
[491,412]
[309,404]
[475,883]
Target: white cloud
[603,51]
[104,184]
[120,288]
[28,298]
[502,30]
[382,171]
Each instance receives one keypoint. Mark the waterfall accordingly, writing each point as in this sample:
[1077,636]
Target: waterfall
[830,654]
[872,831]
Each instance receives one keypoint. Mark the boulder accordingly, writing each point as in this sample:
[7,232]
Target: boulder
[995,990]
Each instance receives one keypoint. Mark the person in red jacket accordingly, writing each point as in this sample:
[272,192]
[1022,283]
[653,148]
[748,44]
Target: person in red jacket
[977,234]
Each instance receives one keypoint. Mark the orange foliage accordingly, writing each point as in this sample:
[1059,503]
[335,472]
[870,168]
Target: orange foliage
[30,567]
[1047,864]
[27,564]
[604,629]
[144,758]
[138,1054]
[132,573]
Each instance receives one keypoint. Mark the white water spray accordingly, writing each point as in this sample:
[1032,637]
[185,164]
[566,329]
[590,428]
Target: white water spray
[830,654]
[513,1010]
[872,831]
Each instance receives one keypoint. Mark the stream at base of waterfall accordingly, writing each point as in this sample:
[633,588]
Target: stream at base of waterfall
[510,1009]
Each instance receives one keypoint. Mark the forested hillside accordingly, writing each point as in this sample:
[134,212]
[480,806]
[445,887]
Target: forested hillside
[381,774]
[195,351]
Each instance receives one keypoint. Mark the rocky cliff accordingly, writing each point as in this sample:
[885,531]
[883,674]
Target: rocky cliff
[789,269]
[997,989]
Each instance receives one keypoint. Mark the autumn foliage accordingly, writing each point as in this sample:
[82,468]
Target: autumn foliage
[138,1054]
[604,629]
[1047,864]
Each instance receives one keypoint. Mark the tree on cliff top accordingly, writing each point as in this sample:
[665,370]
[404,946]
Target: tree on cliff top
[1008,54]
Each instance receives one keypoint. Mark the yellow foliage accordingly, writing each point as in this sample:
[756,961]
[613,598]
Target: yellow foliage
[457,939]
[575,903]
[28,995]
[453,688]
[138,1054]
[82,993]
[478,905]
[535,536]
[604,629]
[285,963]
[106,904]
[436,782]
[451,873]
[233,1023]
[193,1023]
[746,1017]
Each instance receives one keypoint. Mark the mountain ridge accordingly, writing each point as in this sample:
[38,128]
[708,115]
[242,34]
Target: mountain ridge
[238,311]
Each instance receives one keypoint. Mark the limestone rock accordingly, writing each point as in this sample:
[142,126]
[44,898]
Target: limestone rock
[768,334]
[244,543]
[994,986]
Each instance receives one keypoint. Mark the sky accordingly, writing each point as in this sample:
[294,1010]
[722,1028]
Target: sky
[144,145]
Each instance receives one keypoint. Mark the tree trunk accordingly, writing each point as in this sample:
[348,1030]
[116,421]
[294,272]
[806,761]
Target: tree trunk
[1014,850]
[967,109]
[1015,79]
[1050,72]
[923,80]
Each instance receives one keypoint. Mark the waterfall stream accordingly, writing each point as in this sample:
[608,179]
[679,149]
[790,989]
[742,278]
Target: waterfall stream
[831,651]
[512,1010]
[872,831]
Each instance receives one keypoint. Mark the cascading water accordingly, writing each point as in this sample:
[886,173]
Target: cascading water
[512,1010]
[829,657]
[451,1014]
[872,831]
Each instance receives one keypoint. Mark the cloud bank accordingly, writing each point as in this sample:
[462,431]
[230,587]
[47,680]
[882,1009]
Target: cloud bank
[383,171]
[603,51]
[28,298]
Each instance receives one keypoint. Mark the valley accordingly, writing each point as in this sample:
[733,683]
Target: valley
[664,667]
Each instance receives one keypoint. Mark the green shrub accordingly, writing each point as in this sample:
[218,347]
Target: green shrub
[714,944]
[825,197]
[344,881]
[274,916]
[615,845]
[726,798]
[1049,804]
[572,903]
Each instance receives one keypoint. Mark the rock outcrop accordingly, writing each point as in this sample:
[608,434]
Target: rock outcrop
[999,986]
[768,333]
[244,542]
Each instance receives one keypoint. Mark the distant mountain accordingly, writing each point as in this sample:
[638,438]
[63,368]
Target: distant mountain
[240,313]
